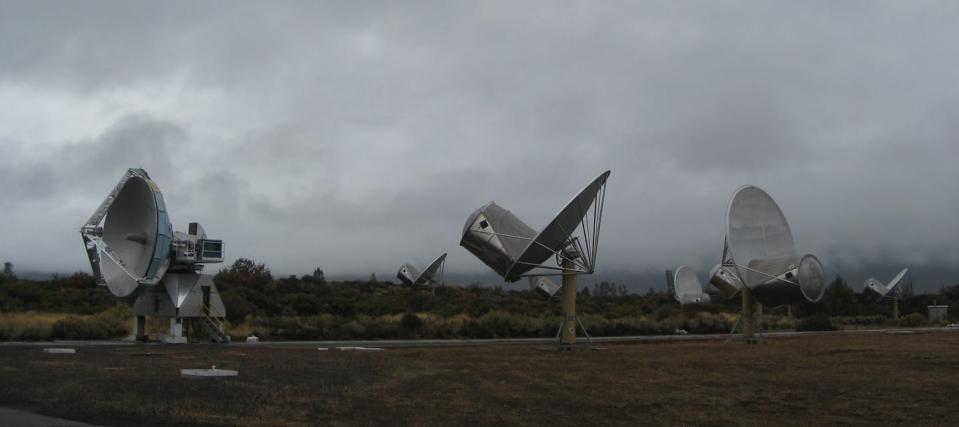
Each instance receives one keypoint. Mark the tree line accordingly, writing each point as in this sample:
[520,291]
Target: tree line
[250,291]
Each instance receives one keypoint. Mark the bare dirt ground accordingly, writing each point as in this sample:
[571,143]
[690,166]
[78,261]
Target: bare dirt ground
[880,379]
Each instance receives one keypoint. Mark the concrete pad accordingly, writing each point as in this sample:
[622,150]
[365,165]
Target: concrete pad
[207,373]
[359,349]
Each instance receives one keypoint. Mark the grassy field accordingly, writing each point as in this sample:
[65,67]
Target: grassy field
[880,379]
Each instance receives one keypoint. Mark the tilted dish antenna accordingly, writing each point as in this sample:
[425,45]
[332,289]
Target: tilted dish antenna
[760,260]
[132,248]
[760,251]
[687,289]
[892,291]
[514,250]
[431,275]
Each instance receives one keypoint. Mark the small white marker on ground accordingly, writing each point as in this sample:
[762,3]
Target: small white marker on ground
[359,349]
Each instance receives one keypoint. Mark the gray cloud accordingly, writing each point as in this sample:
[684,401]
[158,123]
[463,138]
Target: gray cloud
[359,137]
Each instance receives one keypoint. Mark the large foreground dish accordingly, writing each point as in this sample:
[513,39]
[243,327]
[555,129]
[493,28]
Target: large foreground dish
[760,260]
[760,254]
[132,249]
[514,250]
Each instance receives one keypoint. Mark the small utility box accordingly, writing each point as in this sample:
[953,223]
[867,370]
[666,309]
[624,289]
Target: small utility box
[938,313]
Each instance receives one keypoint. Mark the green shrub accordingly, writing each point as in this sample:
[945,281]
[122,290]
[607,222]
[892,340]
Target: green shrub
[237,305]
[351,330]
[411,321]
[861,320]
[705,323]
[911,320]
[32,331]
[776,322]
[816,323]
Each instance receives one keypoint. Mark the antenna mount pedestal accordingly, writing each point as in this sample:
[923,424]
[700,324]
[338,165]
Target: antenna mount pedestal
[568,332]
[749,317]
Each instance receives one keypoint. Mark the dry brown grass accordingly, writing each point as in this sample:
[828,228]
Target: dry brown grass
[814,380]
[28,325]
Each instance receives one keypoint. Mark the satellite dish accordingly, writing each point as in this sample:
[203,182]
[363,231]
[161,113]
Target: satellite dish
[514,250]
[891,291]
[760,250]
[760,261]
[412,276]
[687,287]
[132,248]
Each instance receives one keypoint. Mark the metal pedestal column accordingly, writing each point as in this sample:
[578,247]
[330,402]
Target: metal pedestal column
[749,317]
[568,328]
[139,328]
[176,332]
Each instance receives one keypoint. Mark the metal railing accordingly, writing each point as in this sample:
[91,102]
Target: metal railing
[218,324]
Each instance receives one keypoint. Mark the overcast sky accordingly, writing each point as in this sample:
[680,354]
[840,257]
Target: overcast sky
[359,136]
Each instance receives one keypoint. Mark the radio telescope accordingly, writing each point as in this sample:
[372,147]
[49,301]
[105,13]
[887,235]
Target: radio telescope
[135,253]
[514,250]
[412,276]
[760,260]
[687,289]
[892,291]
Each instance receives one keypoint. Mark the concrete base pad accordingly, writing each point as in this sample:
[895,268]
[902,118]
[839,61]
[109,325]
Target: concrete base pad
[214,372]
[174,340]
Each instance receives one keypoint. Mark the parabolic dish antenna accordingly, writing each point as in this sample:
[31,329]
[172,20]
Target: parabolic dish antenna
[412,276]
[133,246]
[760,260]
[760,249]
[891,291]
[514,250]
[132,249]
[687,287]
[756,227]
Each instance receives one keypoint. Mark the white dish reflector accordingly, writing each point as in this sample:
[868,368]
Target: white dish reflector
[132,247]
[687,287]
[761,251]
